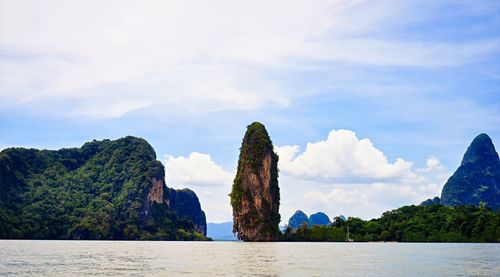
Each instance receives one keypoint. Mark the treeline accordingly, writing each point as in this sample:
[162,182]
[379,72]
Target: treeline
[98,191]
[434,223]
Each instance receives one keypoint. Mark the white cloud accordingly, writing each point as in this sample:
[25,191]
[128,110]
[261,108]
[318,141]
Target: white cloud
[350,176]
[342,156]
[340,175]
[433,165]
[208,180]
[193,57]
[195,170]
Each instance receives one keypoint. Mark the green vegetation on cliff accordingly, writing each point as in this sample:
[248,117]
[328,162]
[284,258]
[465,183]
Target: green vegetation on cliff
[98,191]
[433,223]
[256,145]
[478,177]
[187,206]
[256,221]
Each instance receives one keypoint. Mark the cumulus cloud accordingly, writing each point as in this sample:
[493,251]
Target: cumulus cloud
[342,156]
[432,165]
[194,57]
[350,176]
[197,169]
[210,181]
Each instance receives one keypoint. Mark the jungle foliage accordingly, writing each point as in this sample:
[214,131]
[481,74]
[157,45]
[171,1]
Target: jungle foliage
[433,223]
[98,191]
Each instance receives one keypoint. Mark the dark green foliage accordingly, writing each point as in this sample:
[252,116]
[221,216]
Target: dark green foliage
[187,206]
[98,191]
[434,223]
[478,177]
[297,219]
[256,144]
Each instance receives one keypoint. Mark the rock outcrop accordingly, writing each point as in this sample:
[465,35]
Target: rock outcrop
[186,204]
[255,195]
[297,219]
[155,194]
[300,219]
[319,218]
[478,177]
[434,201]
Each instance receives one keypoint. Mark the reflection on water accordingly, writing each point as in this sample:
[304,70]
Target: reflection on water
[119,258]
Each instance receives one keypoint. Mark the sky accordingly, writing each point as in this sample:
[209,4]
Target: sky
[370,104]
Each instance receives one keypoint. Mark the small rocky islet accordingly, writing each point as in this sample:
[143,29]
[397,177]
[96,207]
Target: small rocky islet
[300,219]
[255,194]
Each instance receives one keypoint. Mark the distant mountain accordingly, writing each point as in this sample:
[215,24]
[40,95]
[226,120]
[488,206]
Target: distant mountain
[221,231]
[224,231]
[109,189]
[319,218]
[297,219]
[434,201]
[478,177]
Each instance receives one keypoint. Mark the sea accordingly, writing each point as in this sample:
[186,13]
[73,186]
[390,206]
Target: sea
[217,258]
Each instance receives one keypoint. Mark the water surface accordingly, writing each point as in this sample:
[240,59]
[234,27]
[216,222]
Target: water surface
[149,258]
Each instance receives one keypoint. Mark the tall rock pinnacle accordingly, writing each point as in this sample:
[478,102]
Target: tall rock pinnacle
[255,195]
[478,177]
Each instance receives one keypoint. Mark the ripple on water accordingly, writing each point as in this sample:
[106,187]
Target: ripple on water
[112,258]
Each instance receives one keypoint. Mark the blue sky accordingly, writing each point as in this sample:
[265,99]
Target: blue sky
[414,80]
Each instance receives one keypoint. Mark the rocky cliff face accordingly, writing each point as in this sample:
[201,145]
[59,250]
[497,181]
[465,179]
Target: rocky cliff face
[255,193]
[186,204]
[478,177]
[155,194]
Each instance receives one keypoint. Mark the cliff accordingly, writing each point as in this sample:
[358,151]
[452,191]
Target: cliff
[255,195]
[478,177]
[187,206]
[103,190]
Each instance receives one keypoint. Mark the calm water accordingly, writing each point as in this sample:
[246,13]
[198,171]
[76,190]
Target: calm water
[122,258]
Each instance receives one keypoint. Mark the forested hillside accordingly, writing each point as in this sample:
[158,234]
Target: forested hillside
[103,190]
